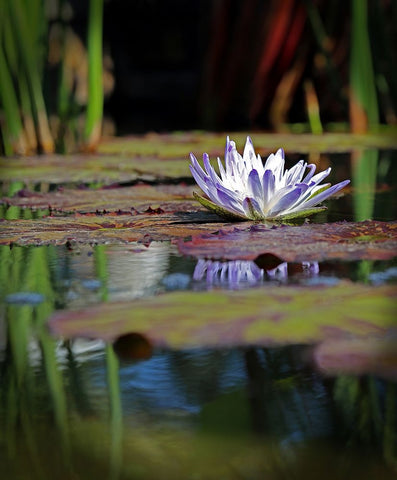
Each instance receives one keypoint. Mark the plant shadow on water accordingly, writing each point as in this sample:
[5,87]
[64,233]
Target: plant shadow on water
[323,406]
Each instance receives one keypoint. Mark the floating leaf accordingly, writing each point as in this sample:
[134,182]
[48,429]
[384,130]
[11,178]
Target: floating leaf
[164,156]
[91,168]
[138,198]
[266,316]
[178,144]
[99,229]
[343,240]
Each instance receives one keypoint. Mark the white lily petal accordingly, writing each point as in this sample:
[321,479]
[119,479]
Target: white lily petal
[246,187]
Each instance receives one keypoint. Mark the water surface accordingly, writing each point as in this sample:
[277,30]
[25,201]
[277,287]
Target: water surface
[83,409]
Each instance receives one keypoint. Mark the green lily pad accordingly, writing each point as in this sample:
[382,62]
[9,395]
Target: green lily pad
[316,242]
[105,169]
[266,316]
[156,157]
[180,144]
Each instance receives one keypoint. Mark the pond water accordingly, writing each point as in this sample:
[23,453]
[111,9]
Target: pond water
[85,408]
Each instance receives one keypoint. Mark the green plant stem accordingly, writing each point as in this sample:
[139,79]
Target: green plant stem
[100,262]
[364,176]
[14,129]
[362,79]
[116,415]
[28,53]
[93,124]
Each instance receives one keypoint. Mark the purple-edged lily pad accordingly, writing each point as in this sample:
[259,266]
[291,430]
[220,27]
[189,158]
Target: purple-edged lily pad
[342,240]
[109,228]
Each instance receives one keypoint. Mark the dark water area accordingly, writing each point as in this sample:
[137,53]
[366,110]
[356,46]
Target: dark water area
[83,408]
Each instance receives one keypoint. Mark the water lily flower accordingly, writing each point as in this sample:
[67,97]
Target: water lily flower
[248,189]
[234,273]
[242,273]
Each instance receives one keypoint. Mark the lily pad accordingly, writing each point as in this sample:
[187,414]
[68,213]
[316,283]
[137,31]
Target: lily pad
[271,316]
[179,144]
[316,242]
[374,355]
[101,229]
[138,198]
[156,157]
[78,168]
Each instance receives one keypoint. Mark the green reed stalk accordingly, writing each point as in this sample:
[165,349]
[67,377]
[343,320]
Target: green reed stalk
[116,414]
[93,124]
[11,53]
[113,380]
[364,176]
[19,376]
[38,279]
[64,98]
[363,99]
[13,135]
[313,108]
[35,12]
[101,270]
[28,48]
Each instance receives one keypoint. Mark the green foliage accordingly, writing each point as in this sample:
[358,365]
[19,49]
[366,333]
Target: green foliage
[95,90]
[362,78]
[24,95]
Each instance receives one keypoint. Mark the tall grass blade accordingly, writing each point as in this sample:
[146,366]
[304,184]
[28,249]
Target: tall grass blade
[14,63]
[116,415]
[28,52]
[364,176]
[313,108]
[13,128]
[101,271]
[93,126]
[363,98]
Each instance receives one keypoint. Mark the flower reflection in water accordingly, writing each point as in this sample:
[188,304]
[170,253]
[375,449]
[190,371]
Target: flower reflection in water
[244,273]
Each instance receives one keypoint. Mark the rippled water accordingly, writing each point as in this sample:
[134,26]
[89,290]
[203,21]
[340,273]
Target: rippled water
[84,409]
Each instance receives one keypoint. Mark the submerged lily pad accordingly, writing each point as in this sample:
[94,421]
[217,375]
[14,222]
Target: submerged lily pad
[342,240]
[271,316]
